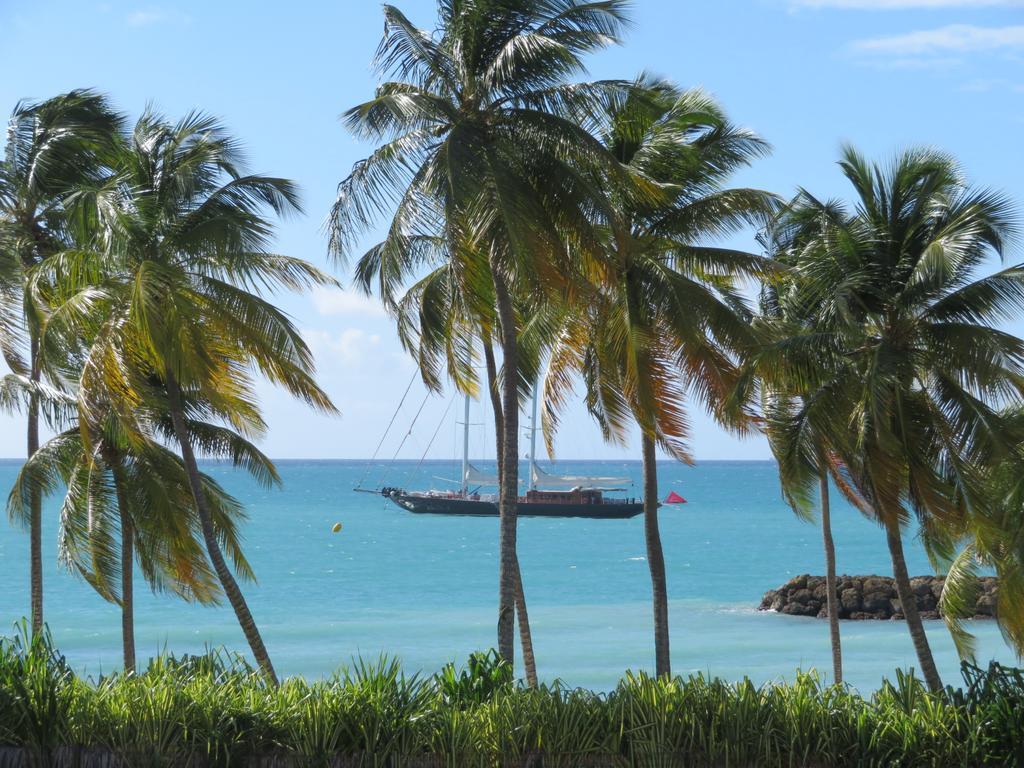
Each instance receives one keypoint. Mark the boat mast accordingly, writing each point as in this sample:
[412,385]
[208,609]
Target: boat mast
[465,449]
[533,441]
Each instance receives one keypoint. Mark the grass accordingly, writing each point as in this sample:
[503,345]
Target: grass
[216,710]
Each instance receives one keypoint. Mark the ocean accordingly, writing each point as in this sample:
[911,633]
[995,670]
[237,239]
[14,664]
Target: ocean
[424,588]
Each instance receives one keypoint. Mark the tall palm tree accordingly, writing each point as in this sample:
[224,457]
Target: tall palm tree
[440,332]
[665,321]
[804,464]
[915,365]
[803,459]
[186,250]
[54,147]
[787,307]
[481,143]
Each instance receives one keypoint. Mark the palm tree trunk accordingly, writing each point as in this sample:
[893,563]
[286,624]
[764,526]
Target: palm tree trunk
[525,638]
[127,594]
[909,605]
[525,635]
[655,559]
[509,467]
[495,395]
[127,569]
[35,524]
[830,578]
[227,579]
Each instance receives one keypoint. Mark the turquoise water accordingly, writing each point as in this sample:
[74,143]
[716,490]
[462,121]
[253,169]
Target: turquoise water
[423,588]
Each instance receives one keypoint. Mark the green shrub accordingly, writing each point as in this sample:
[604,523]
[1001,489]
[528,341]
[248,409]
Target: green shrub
[485,675]
[216,710]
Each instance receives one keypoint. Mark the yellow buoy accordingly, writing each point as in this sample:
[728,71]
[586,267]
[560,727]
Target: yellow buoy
[336,527]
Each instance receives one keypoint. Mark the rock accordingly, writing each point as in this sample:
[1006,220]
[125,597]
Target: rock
[801,596]
[798,609]
[921,586]
[850,599]
[877,602]
[986,605]
[878,584]
[869,597]
[927,601]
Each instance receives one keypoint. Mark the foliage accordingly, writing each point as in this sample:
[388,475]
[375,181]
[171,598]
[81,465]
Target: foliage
[167,310]
[888,359]
[174,284]
[153,485]
[996,542]
[665,317]
[905,360]
[215,709]
[479,158]
[484,675]
[482,135]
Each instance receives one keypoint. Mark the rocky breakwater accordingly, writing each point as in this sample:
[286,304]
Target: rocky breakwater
[868,597]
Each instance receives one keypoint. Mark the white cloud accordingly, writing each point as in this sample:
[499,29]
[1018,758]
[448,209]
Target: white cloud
[334,301]
[931,64]
[993,84]
[147,17]
[956,38]
[891,5]
[350,346]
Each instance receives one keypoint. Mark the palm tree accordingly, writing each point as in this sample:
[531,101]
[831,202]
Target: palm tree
[904,360]
[803,459]
[141,492]
[109,493]
[439,331]
[480,153]
[993,538]
[185,249]
[664,321]
[54,147]
[802,454]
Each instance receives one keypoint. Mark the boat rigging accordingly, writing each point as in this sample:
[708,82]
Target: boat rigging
[547,495]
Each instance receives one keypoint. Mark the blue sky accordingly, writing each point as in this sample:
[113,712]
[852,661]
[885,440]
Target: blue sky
[808,75]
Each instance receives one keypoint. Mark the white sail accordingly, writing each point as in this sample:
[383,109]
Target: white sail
[542,479]
[474,477]
[533,441]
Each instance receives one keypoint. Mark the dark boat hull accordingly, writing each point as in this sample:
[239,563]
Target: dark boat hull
[439,505]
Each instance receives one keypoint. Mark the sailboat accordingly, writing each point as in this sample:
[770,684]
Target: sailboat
[547,495]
